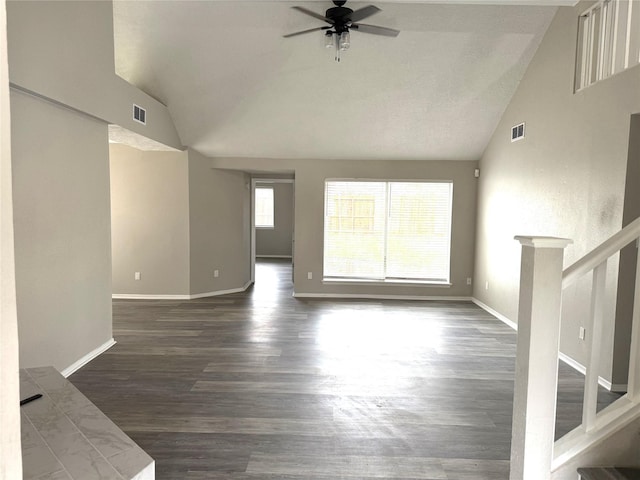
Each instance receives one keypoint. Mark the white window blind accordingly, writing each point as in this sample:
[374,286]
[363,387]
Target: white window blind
[387,230]
[264,207]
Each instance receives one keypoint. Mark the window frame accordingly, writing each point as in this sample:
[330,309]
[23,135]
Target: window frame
[444,282]
[608,41]
[273,208]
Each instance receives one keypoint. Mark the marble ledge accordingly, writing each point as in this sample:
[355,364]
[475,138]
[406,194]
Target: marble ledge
[66,437]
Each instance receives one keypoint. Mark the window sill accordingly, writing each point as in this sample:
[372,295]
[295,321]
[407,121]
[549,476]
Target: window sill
[407,283]
[265,228]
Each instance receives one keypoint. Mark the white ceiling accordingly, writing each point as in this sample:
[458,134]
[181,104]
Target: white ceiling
[236,88]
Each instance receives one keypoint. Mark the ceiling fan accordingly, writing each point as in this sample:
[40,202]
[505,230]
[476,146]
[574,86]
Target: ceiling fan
[341,19]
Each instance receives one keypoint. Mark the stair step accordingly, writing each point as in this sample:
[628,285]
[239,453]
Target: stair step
[609,473]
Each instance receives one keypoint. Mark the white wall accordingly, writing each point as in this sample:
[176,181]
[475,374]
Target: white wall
[565,179]
[277,241]
[62,223]
[10,456]
[149,221]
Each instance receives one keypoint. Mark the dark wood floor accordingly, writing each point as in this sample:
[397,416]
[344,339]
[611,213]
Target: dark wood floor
[260,385]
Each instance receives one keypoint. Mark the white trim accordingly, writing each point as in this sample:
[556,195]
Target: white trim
[274,256]
[543,242]
[140,296]
[390,281]
[365,296]
[603,382]
[616,387]
[87,358]
[496,314]
[268,181]
[136,296]
[221,292]
[610,420]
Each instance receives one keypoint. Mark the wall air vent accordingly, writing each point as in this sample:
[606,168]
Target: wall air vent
[139,114]
[517,132]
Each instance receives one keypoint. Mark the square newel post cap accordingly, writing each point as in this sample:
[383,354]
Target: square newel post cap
[544,242]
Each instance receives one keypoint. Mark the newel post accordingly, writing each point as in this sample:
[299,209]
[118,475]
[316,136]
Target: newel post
[534,400]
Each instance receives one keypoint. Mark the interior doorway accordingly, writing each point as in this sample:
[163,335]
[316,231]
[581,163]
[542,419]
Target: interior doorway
[272,221]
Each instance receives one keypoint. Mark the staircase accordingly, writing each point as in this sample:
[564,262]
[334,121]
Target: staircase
[609,473]
[534,454]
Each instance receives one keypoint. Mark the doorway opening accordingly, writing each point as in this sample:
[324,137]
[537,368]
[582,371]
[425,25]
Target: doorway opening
[272,226]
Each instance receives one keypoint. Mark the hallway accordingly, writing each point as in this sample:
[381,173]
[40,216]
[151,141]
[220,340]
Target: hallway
[260,385]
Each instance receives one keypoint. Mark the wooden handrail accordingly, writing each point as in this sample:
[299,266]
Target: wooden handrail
[599,254]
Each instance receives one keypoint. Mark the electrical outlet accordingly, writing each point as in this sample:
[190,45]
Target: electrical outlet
[581,333]
[216,273]
[137,276]
[309,275]
[468,280]
[486,285]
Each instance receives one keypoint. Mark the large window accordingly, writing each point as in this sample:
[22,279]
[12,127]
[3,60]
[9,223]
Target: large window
[387,231]
[264,207]
[608,40]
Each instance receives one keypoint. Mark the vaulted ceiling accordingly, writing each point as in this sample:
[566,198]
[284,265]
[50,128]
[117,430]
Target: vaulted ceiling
[236,88]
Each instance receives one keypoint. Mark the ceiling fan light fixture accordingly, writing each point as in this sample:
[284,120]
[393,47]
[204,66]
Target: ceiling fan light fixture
[345,40]
[328,39]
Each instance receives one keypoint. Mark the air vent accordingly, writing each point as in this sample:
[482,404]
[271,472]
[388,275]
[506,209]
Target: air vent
[517,132]
[139,114]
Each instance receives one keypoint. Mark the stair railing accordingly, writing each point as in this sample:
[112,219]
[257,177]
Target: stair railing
[534,454]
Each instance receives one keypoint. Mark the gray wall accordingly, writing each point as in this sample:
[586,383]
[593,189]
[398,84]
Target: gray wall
[219,209]
[176,220]
[10,455]
[628,259]
[565,179]
[62,222]
[61,172]
[309,217]
[64,51]
[277,241]
[149,221]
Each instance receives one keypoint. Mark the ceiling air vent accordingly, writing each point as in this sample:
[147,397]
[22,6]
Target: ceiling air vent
[517,132]
[139,114]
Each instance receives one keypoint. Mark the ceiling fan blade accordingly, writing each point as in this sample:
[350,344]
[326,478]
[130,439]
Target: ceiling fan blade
[317,29]
[364,28]
[363,13]
[313,14]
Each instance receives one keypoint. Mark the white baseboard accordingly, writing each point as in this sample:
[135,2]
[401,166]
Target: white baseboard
[87,358]
[496,314]
[381,297]
[274,256]
[137,296]
[603,382]
[221,292]
[142,296]
[616,387]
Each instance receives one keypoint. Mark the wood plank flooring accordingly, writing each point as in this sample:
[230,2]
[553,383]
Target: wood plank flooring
[260,385]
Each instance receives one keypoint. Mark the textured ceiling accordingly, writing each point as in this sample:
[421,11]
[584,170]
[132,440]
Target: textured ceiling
[236,88]
[117,134]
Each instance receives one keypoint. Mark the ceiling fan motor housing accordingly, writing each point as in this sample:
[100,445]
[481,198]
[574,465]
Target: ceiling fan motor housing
[341,17]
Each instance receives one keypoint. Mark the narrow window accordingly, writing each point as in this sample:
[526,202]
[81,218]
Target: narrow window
[264,207]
